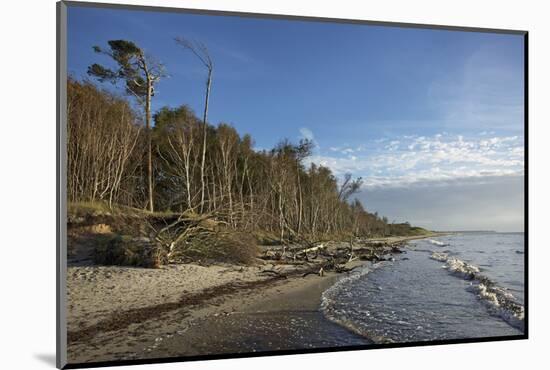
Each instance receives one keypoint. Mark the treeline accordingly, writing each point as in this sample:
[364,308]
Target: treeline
[269,191]
[184,164]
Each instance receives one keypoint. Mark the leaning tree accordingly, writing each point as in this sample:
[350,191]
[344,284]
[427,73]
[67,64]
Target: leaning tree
[140,72]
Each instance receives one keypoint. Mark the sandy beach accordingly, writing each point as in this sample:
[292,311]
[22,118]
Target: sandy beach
[124,313]
[117,313]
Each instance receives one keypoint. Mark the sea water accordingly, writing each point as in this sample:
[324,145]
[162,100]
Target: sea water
[464,285]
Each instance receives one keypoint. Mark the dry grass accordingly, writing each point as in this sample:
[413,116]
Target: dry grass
[266,238]
[220,246]
[125,236]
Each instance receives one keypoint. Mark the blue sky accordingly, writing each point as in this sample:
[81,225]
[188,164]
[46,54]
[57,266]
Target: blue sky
[409,110]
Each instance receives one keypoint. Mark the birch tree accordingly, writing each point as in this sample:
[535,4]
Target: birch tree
[102,135]
[176,137]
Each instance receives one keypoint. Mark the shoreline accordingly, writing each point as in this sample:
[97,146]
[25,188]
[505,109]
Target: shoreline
[282,317]
[244,310]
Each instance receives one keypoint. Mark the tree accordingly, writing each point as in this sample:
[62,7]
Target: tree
[201,52]
[349,187]
[102,134]
[175,136]
[140,73]
[228,141]
[303,150]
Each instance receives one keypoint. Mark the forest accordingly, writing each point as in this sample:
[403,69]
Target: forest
[121,154]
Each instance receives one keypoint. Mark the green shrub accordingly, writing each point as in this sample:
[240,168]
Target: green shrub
[125,250]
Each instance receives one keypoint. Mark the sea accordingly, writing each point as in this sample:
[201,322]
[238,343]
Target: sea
[462,285]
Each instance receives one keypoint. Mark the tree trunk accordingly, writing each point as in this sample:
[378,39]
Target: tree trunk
[300,200]
[149,145]
[205,116]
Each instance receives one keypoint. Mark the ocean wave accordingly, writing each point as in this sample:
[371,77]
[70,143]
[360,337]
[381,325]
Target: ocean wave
[344,317]
[438,256]
[461,268]
[499,301]
[438,243]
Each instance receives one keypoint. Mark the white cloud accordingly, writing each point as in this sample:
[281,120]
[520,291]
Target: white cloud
[416,160]
[307,133]
[346,150]
[393,145]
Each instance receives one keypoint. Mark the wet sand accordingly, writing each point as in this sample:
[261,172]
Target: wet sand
[280,318]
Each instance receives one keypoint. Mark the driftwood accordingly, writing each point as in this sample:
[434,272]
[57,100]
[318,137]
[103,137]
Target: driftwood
[313,249]
[293,254]
[320,272]
[341,269]
[316,257]
[273,272]
[332,258]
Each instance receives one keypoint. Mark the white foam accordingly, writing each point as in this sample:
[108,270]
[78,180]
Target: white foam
[461,268]
[329,297]
[438,243]
[441,257]
[499,300]
[489,296]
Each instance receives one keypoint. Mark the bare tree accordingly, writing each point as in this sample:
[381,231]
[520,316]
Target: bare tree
[177,134]
[201,52]
[102,135]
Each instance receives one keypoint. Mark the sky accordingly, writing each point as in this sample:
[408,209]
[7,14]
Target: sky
[432,120]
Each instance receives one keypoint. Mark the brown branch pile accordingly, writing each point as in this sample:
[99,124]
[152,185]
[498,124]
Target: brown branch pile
[204,239]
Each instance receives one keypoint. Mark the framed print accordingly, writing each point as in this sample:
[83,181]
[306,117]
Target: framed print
[235,184]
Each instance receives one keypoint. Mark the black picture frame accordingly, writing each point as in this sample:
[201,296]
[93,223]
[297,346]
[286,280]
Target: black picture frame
[61,217]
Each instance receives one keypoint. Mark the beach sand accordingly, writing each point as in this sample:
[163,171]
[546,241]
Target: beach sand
[118,313]
[262,314]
